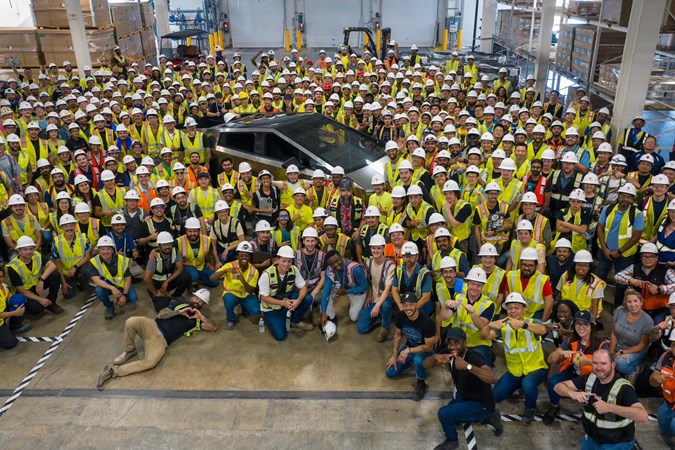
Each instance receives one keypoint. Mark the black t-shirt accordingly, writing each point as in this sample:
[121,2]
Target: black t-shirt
[469,386]
[112,267]
[586,218]
[626,397]
[463,213]
[14,278]
[164,225]
[415,331]
[180,216]
[176,326]
[496,218]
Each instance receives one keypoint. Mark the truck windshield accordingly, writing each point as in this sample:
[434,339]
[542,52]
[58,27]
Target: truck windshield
[334,143]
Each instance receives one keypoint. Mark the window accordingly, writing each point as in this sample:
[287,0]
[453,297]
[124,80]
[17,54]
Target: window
[279,149]
[244,142]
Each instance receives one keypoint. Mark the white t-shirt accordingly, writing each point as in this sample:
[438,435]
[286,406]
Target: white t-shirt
[264,283]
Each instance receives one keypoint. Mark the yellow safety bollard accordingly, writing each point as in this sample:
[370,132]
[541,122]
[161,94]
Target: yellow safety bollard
[220,38]
[378,36]
[445,39]
[211,44]
[298,37]
[189,42]
[459,40]
[288,40]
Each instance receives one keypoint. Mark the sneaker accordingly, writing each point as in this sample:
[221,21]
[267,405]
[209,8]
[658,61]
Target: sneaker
[109,313]
[54,308]
[420,390]
[495,420]
[304,326]
[230,324]
[124,357]
[448,444]
[382,334]
[550,415]
[105,375]
[528,415]
[25,328]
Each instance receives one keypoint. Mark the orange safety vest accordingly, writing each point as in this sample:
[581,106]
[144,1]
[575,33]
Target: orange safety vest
[391,253]
[668,387]
[144,203]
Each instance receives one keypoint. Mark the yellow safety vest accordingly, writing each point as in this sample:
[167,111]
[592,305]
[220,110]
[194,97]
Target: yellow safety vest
[108,204]
[174,142]
[70,256]
[30,227]
[42,213]
[651,221]
[533,294]
[421,275]
[494,281]
[341,245]
[578,240]
[232,285]
[419,232]
[29,277]
[195,144]
[517,248]
[277,235]
[583,298]
[43,152]
[275,292]
[24,163]
[243,187]
[462,319]
[189,258]
[463,231]
[153,141]
[484,214]
[522,350]
[4,298]
[103,272]
[625,227]
[93,231]
[206,201]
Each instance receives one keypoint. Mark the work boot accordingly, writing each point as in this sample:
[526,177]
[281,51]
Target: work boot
[420,390]
[495,420]
[382,334]
[528,415]
[550,415]
[25,328]
[448,444]
[304,326]
[54,308]
[109,313]
[230,324]
[124,357]
[105,375]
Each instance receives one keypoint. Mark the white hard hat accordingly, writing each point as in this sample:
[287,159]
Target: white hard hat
[337,170]
[178,190]
[398,192]
[221,205]
[142,170]
[25,241]
[590,178]
[515,297]
[405,165]
[16,199]
[118,219]
[318,173]
[529,197]
[66,219]
[548,154]
[414,190]
[390,145]
[157,202]
[292,169]
[529,254]
[646,157]
[507,164]
[132,195]
[192,224]
[164,237]
[329,329]
[442,232]
[578,194]
[398,228]
[525,225]
[31,190]
[107,175]
[584,256]
[244,167]
[63,195]
[477,275]
[372,211]
[436,218]
[82,207]
[605,147]
[56,170]
[492,186]
[450,185]
[262,225]
[245,246]
[42,162]
[569,157]
[563,243]
[649,247]
[203,294]
[320,212]
[661,179]
[571,132]
[95,140]
[105,241]
[377,179]
[448,263]
[539,129]
[488,250]
[377,241]
[311,232]
[330,222]
[409,248]
[628,189]
[286,252]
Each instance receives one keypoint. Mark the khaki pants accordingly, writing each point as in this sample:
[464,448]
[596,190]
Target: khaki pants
[153,341]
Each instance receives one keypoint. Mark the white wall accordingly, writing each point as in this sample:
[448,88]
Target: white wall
[468,8]
[16,13]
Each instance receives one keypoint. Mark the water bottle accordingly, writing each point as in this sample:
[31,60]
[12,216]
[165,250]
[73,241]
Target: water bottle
[261,325]
[288,321]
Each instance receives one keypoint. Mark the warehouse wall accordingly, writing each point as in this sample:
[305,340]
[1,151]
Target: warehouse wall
[16,13]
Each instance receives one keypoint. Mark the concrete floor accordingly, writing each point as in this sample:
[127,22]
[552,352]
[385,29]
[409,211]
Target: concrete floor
[240,389]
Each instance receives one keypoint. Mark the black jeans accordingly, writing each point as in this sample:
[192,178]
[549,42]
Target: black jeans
[7,338]
[178,286]
[53,283]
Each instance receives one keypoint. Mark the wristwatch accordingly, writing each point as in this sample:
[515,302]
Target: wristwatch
[469,367]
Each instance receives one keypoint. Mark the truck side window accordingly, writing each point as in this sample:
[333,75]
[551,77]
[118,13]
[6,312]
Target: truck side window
[244,142]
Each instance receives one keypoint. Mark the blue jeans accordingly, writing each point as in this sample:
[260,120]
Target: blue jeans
[508,384]
[486,352]
[625,364]
[666,418]
[620,263]
[590,444]
[459,411]
[428,309]
[276,319]
[250,303]
[565,375]
[201,275]
[104,296]
[413,359]
[366,323]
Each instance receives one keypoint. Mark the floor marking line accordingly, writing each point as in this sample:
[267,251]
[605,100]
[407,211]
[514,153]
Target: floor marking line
[43,359]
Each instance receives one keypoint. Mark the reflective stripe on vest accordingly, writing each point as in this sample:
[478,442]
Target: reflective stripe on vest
[418,282]
[522,351]
[273,275]
[29,277]
[533,294]
[160,273]
[599,419]
[463,319]
[625,227]
[102,269]
[197,261]
[67,255]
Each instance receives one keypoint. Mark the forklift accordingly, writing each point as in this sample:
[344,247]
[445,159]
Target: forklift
[385,37]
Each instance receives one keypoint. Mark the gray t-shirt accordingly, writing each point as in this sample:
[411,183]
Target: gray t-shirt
[629,334]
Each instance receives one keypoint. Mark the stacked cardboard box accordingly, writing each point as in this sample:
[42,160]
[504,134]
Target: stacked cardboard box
[57,46]
[134,24]
[19,47]
[131,46]
[52,13]
[609,48]
[514,27]
[127,18]
[149,45]
[588,9]
[563,54]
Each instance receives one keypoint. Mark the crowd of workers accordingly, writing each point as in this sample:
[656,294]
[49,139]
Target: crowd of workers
[499,217]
